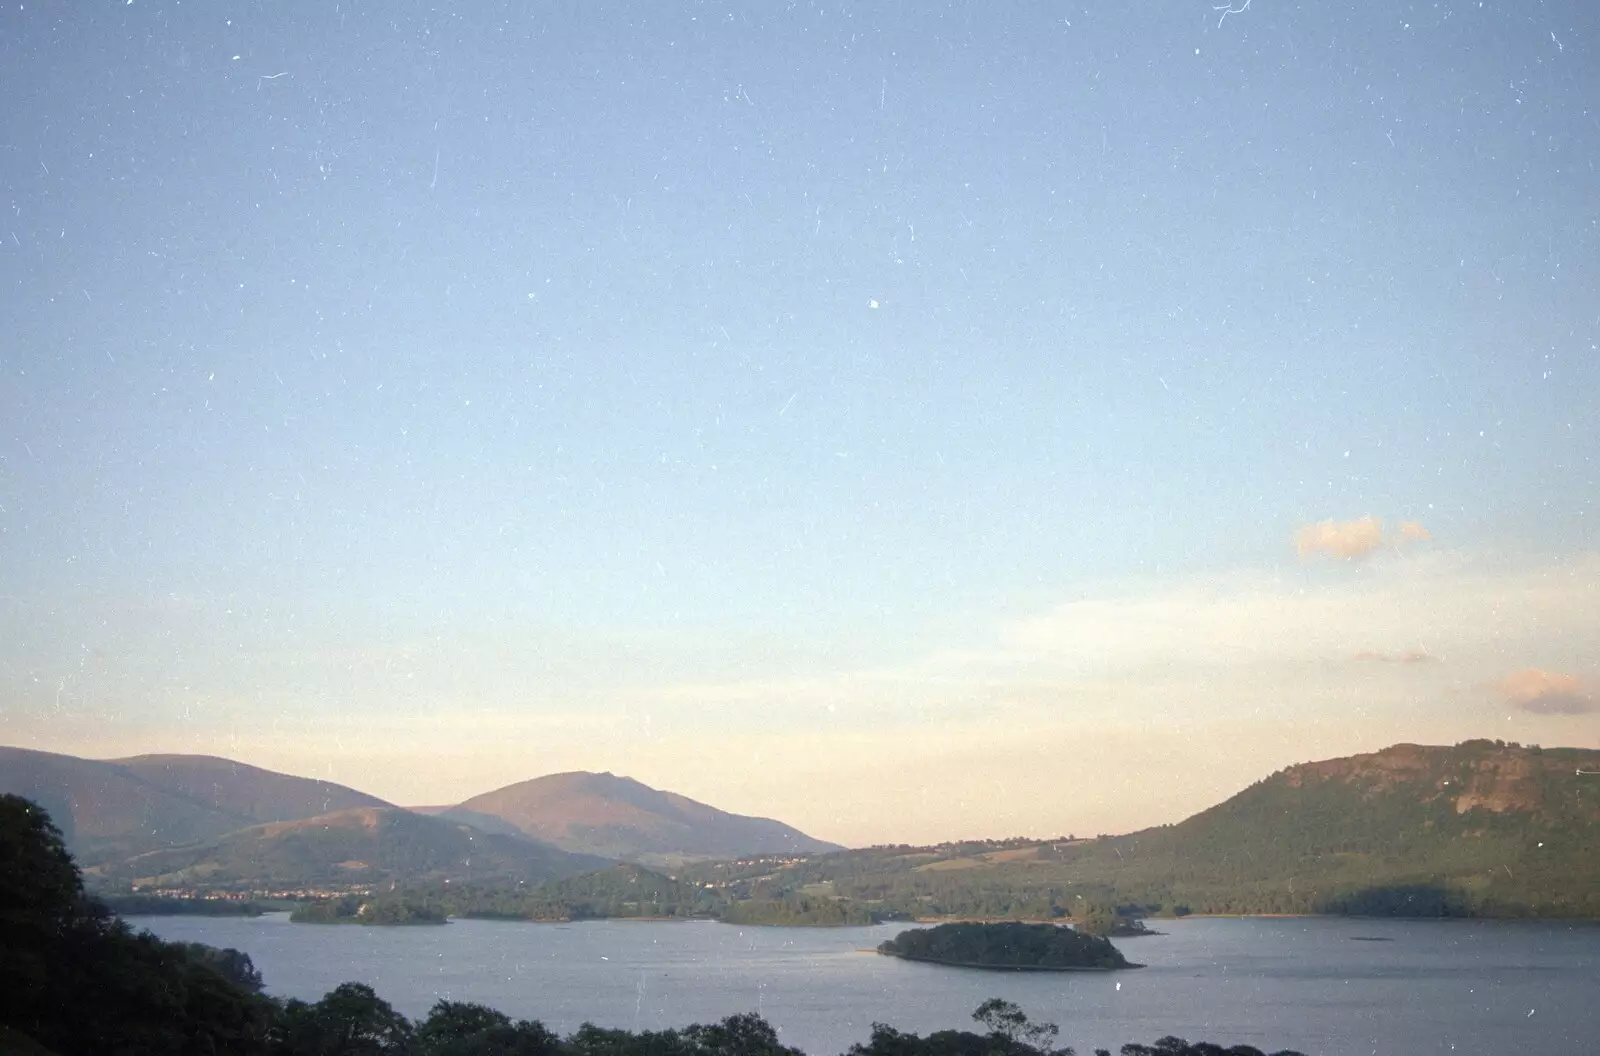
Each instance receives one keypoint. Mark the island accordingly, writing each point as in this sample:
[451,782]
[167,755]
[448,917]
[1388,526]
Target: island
[1013,947]
[382,912]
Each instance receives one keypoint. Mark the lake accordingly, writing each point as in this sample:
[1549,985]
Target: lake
[1325,986]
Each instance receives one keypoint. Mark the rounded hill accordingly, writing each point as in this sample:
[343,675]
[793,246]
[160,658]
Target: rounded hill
[618,817]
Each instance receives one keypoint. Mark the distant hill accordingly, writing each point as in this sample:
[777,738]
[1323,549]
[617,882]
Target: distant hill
[245,791]
[618,817]
[104,810]
[109,809]
[1481,825]
[360,845]
[1480,828]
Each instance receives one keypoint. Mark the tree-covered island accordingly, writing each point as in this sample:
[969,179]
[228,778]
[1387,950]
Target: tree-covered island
[382,911]
[1008,947]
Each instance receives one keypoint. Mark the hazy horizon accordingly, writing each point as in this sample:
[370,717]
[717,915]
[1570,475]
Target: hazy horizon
[904,424]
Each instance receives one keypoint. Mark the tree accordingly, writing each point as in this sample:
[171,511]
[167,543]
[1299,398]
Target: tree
[742,1035]
[40,896]
[233,965]
[1010,1022]
[74,979]
[459,1028]
[350,1020]
[452,1021]
[1095,919]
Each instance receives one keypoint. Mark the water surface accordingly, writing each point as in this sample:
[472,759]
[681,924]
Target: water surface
[1319,985]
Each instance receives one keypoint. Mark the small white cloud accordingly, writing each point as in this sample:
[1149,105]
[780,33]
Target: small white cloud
[1546,692]
[1351,540]
[1414,532]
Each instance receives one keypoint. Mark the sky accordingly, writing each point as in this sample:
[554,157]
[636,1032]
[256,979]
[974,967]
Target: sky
[911,422]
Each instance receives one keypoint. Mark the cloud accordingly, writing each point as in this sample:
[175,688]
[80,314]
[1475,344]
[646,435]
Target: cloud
[1351,540]
[1546,692]
[1413,532]
[1354,540]
[1409,656]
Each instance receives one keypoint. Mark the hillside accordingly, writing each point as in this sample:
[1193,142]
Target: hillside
[245,791]
[109,809]
[357,846]
[618,817]
[1481,825]
[1478,828]
[105,810]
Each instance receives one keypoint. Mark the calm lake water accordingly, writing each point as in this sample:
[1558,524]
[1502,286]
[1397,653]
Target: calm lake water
[1318,985]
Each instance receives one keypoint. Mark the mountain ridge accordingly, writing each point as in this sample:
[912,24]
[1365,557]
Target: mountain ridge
[618,817]
[110,808]
[1479,828]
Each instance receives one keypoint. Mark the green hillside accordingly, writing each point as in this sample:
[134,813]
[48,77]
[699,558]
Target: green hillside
[1481,828]
[362,846]
[1477,828]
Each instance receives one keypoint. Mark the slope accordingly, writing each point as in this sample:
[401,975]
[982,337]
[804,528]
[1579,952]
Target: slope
[245,791]
[618,817]
[354,847]
[105,810]
[1480,828]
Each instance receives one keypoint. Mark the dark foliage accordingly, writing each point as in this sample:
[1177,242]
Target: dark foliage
[1013,945]
[350,1020]
[1171,1046]
[76,980]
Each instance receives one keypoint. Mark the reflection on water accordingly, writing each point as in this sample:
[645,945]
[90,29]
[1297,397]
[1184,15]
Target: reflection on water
[1405,987]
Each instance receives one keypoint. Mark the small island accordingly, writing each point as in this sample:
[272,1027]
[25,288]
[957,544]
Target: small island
[1010,947]
[380,912]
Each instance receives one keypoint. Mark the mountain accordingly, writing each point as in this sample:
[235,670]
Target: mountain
[618,817]
[245,791]
[356,846]
[104,810]
[110,809]
[1482,825]
[193,818]
[1479,828]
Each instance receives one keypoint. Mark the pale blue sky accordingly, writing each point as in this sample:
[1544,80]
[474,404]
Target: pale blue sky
[553,364]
